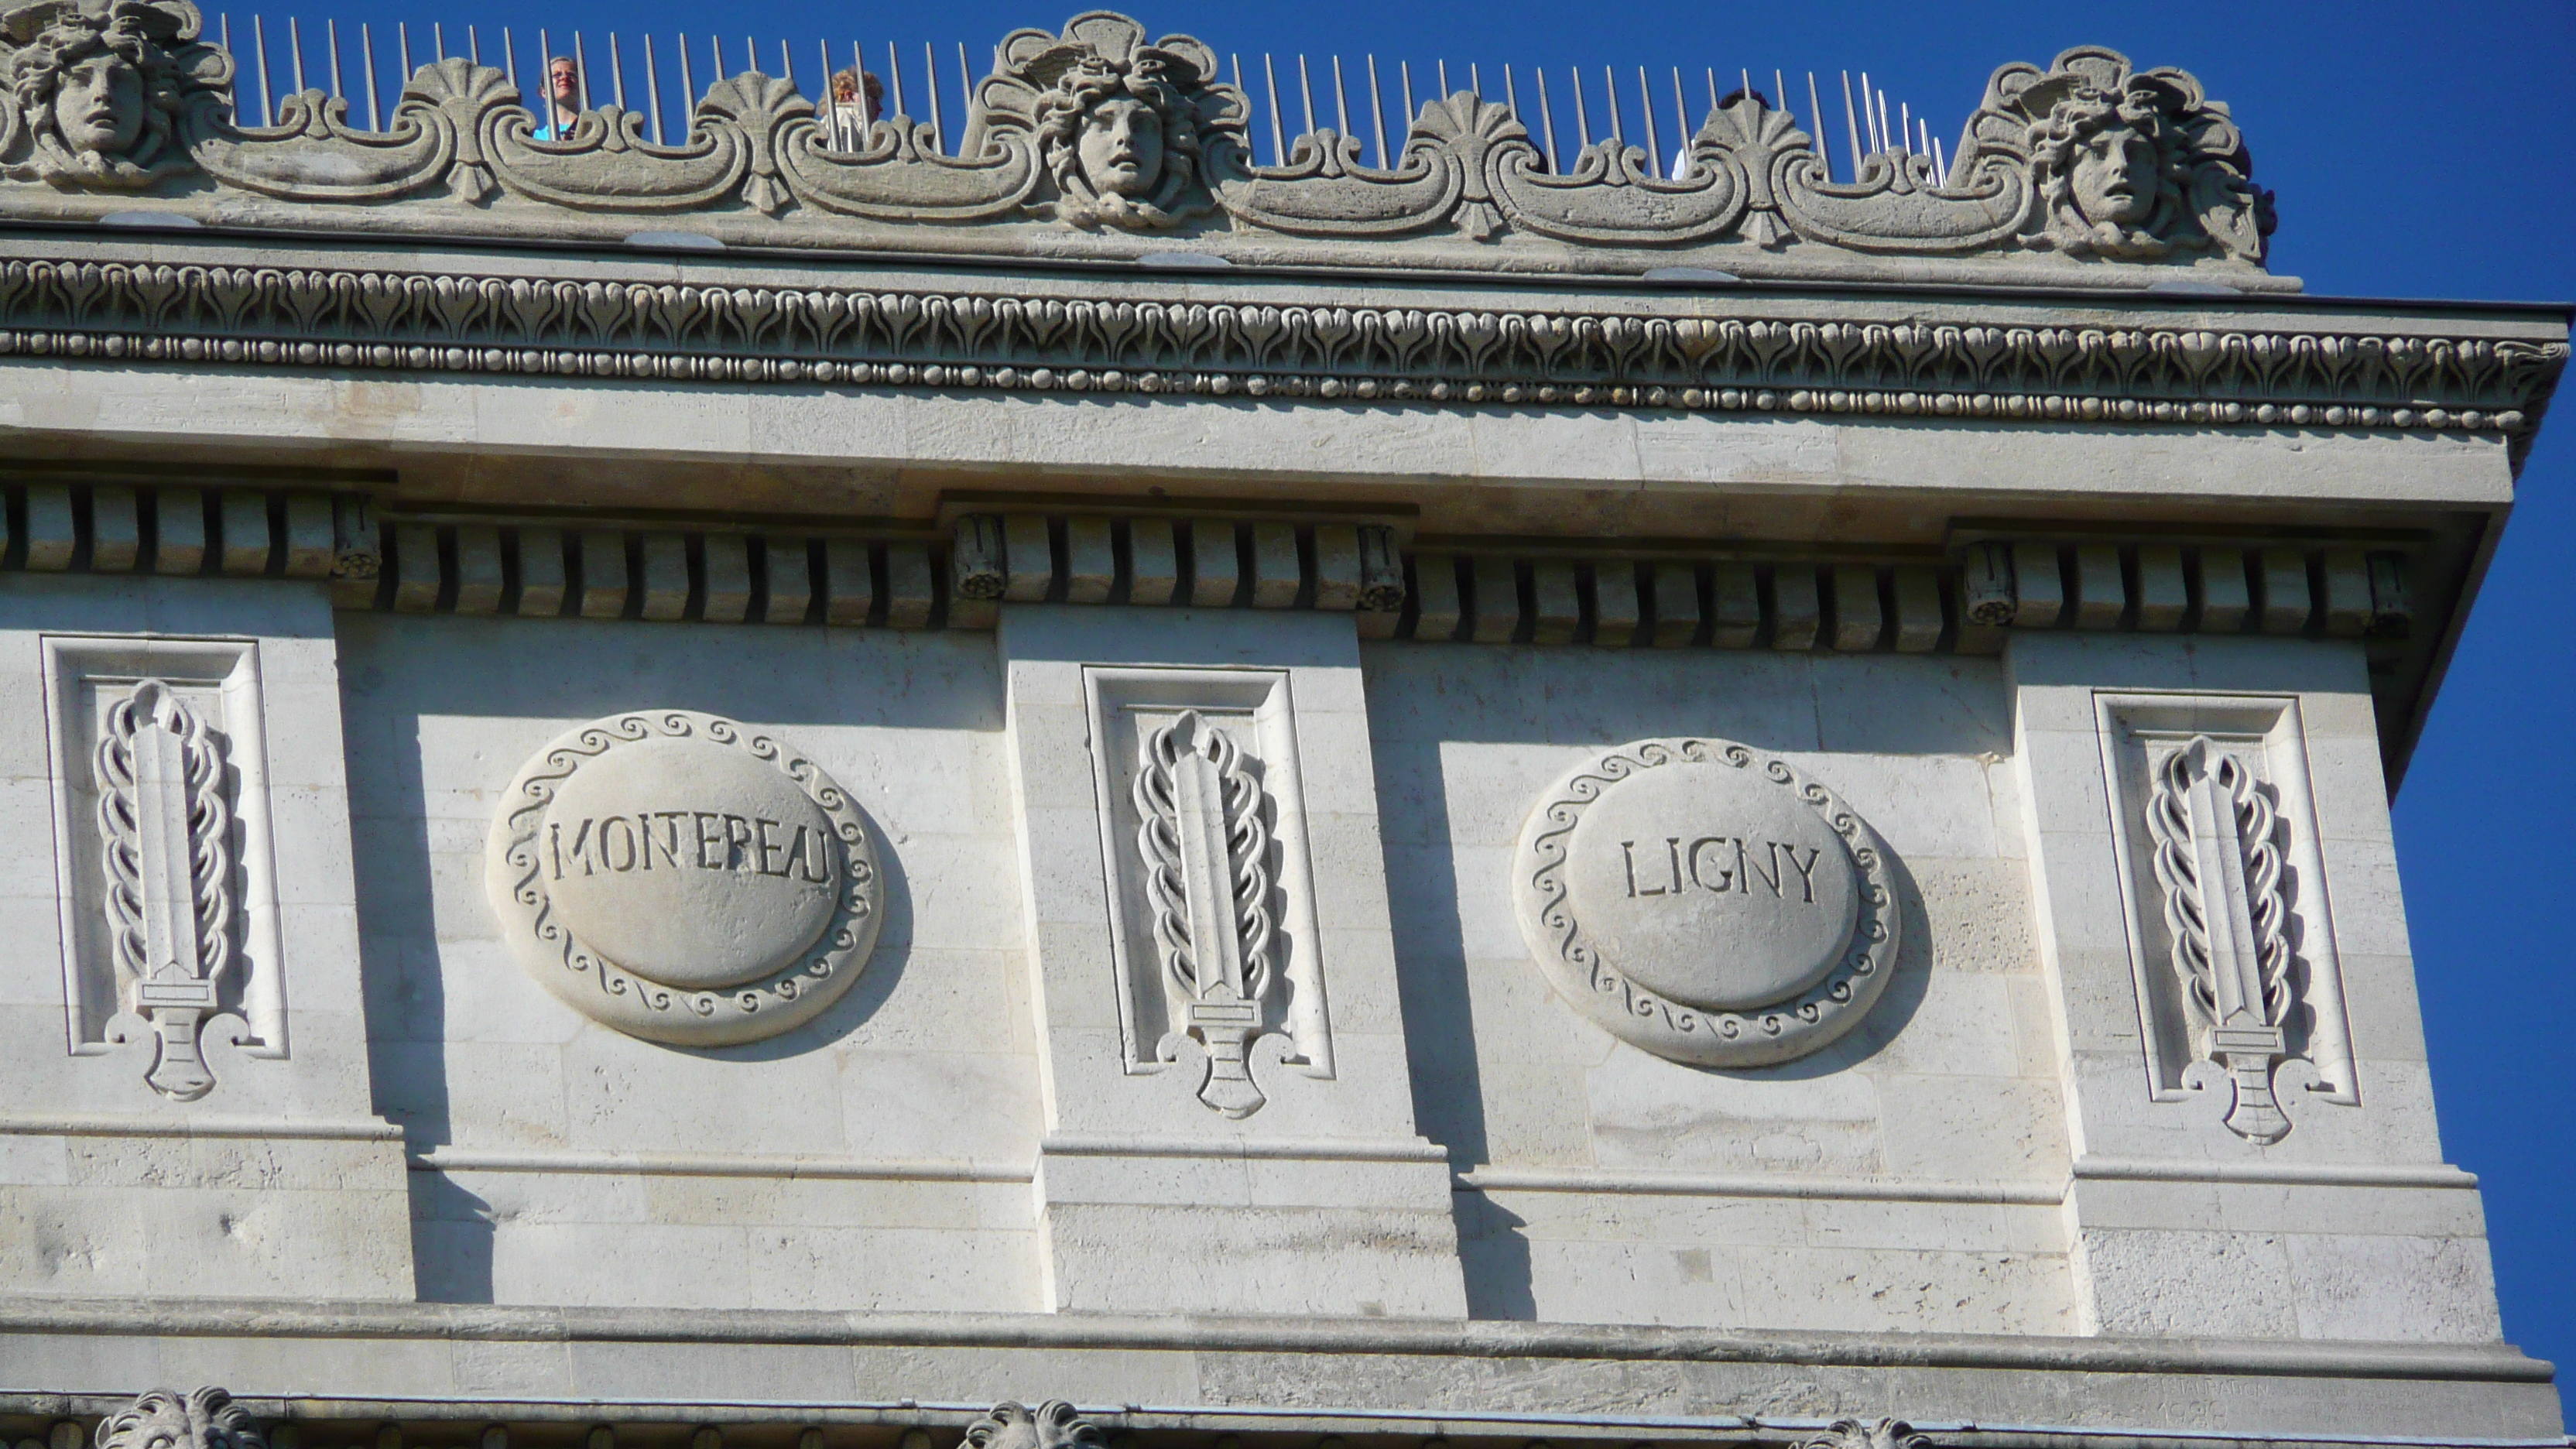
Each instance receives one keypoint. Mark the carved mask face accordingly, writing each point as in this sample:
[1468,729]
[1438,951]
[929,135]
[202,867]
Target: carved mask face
[1122,147]
[2114,176]
[99,105]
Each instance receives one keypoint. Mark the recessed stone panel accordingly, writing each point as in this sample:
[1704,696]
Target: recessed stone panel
[1706,903]
[684,878]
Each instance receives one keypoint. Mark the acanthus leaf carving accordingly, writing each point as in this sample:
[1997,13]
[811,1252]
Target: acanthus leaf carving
[1205,845]
[165,829]
[2218,859]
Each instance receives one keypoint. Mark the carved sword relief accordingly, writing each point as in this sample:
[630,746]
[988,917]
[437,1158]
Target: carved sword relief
[1206,850]
[167,837]
[2219,862]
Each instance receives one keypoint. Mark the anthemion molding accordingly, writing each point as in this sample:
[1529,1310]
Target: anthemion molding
[1760,361]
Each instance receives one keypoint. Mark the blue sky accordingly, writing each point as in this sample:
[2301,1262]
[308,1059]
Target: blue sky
[2417,151]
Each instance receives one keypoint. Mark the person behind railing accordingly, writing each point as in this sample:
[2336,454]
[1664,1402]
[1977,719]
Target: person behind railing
[562,100]
[857,100]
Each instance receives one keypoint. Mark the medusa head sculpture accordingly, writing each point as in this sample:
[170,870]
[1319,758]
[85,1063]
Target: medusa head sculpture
[1128,134]
[100,91]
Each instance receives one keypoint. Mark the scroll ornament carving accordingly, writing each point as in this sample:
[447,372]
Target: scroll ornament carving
[202,1418]
[2218,859]
[1097,128]
[165,831]
[1205,845]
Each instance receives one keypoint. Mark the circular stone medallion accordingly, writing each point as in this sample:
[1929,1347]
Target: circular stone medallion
[684,879]
[1708,904]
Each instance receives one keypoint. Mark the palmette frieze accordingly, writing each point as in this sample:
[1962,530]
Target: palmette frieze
[1096,129]
[833,336]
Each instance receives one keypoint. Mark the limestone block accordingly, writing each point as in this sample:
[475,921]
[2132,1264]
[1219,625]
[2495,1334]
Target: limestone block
[1858,621]
[603,575]
[246,542]
[1153,567]
[416,571]
[728,578]
[2163,597]
[1918,610]
[1558,604]
[178,531]
[2101,596]
[1091,562]
[849,587]
[1440,609]
[1337,566]
[2283,604]
[1617,605]
[478,569]
[310,544]
[2224,601]
[2346,604]
[116,530]
[1735,592]
[1494,599]
[1276,577]
[52,537]
[662,577]
[541,572]
[1215,564]
[907,586]
[2039,588]
[1031,558]
[1796,614]
[788,571]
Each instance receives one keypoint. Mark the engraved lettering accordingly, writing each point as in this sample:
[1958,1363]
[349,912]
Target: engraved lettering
[625,836]
[580,842]
[769,847]
[1628,848]
[737,841]
[669,845]
[1806,872]
[1725,878]
[811,862]
[1770,877]
[701,819]
[1673,850]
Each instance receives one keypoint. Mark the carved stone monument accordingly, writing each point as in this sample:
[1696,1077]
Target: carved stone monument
[750,769]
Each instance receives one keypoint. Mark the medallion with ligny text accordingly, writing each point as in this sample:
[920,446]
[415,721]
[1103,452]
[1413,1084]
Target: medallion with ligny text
[684,878]
[1706,903]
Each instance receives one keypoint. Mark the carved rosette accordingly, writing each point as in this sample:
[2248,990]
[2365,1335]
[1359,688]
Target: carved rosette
[2218,859]
[1706,903]
[684,878]
[1205,845]
[165,831]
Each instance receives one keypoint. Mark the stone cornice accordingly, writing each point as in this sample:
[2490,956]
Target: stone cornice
[1632,357]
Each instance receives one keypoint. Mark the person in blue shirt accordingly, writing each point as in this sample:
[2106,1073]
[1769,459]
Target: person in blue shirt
[562,100]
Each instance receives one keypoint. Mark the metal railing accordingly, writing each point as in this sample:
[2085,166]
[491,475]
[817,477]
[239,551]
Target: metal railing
[1871,123]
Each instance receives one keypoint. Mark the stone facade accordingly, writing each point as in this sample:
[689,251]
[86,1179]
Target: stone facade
[1455,801]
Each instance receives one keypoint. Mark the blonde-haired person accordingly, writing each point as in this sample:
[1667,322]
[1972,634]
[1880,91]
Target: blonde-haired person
[561,100]
[858,98]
